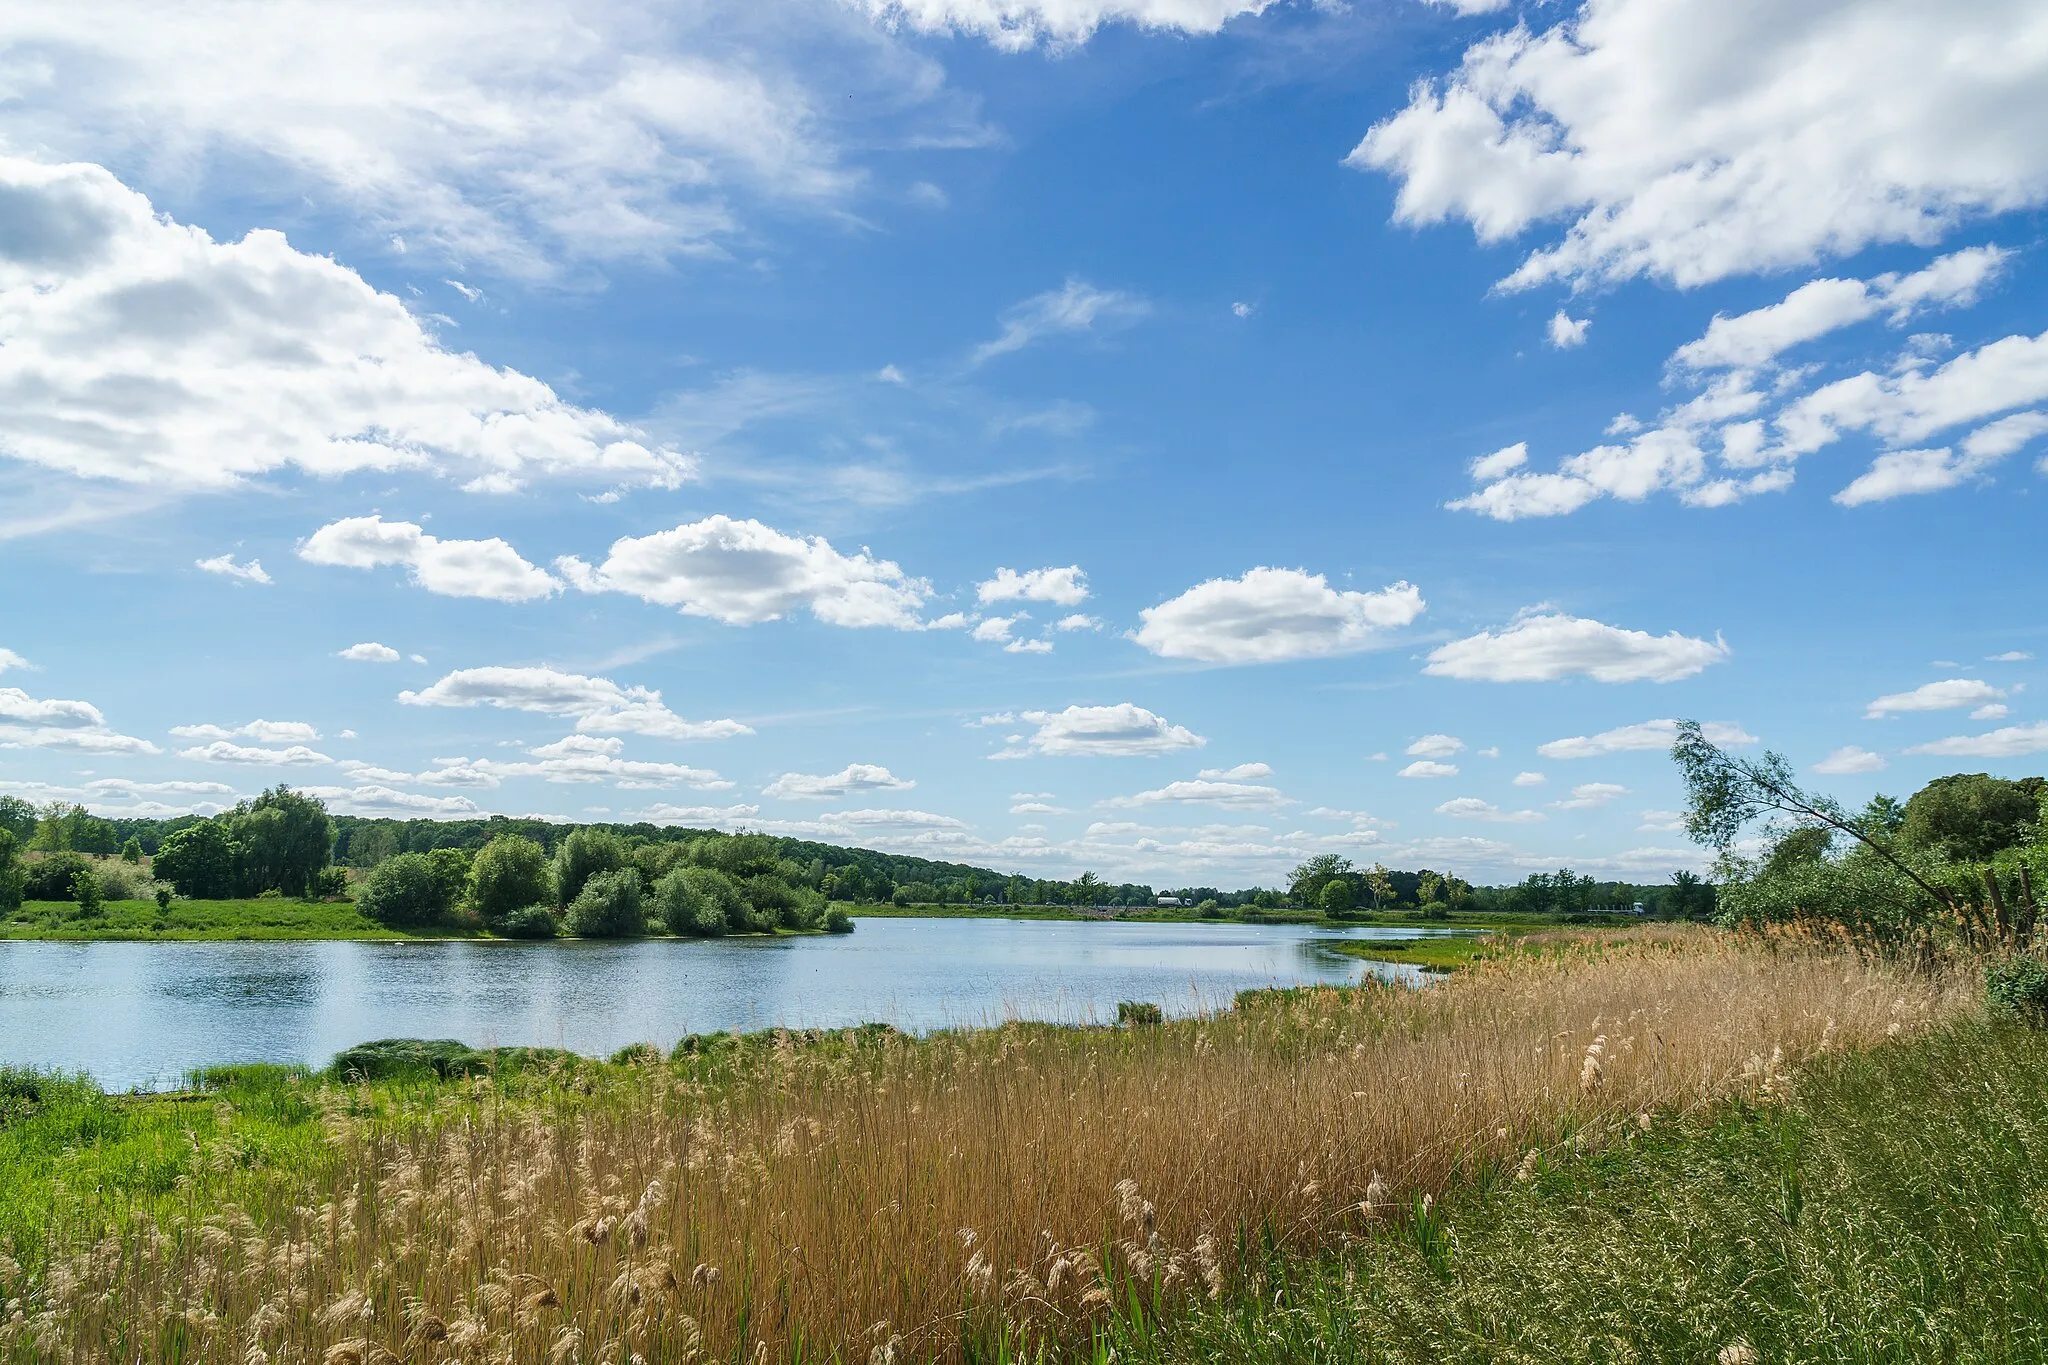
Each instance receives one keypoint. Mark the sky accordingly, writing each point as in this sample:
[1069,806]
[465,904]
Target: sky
[1164,438]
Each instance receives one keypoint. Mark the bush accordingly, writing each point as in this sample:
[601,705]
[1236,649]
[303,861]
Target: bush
[533,921]
[49,877]
[329,882]
[2019,985]
[584,853]
[692,902]
[131,852]
[404,892]
[1132,1013]
[85,889]
[510,873]
[837,921]
[609,906]
[163,899]
[120,882]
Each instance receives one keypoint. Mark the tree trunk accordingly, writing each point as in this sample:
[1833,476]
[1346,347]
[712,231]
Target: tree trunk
[2004,920]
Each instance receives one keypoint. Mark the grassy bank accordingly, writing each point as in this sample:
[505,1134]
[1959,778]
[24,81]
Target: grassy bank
[948,1195]
[1895,1209]
[272,918]
[1445,953]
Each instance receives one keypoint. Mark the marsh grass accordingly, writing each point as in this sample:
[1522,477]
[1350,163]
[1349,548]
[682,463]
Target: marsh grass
[1894,1207]
[866,1196]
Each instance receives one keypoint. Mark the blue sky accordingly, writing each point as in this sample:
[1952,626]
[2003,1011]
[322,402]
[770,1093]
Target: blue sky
[1161,437]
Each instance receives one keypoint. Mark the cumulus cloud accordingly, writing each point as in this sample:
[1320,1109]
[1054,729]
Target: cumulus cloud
[1423,767]
[1076,306]
[1950,694]
[1697,139]
[452,568]
[1590,795]
[1529,779]
[1243,772]
[1066,587]
[743,573]
[2010,656]
[1473,808]
[225,565]
[1077,621]
[579,758]
[1205,792]
[618,131]
[2011,742]
[599,705]
[263,731]
[1436,746]
[369,652]
[853,779]
[1849,759]
[1018,24]
[140,350]
[1566,331]
[255,755]
[1120,731]
[1500,464]
[373,799]
[54,723]
[1546,646]
[1650,734]
[1996,710]
[1273,615]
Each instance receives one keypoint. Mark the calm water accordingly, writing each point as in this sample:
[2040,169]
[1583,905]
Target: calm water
[143,1014]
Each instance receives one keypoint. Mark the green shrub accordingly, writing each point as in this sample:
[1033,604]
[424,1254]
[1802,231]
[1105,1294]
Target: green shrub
[443,1057]
[534,921]
[163,899]
[609,906]
[719,908]
[510,873]
[85,889]
[329,882]
[403,892]
[131,852]
[837,921]
[2019,985]
[583,854]
[49,877]
[1132,1013]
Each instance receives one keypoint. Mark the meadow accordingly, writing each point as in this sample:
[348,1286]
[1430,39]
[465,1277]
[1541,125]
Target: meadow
[268,917]
[998,1194]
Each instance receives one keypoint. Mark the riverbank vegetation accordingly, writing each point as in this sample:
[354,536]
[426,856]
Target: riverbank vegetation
[956,1197]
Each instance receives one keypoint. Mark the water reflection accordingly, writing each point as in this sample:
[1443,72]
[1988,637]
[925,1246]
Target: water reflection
[143,1014]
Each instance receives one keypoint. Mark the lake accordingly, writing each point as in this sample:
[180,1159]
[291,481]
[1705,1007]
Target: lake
[142,1015]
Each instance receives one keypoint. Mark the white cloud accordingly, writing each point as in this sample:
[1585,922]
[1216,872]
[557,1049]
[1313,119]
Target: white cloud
[1695,139]
[1423,767]
[1913,402]
[1850,759]
[1273,615]
[373,799]
[37,723]
[1472,808]
[1500,464]
[2011,742]
[1120,731]
[600,705]
[262,731]
[369,652]
[1591,795]
[1242,309]
[1028,647]
[1076,306]
[9,659]
[452,568]
[1996,710]
[1818,307]
[1650,734]
[743,573]
[2010,656]
[114,788]
[1903,473]
[1018,24]
[995,629]
[577,758]
[1243,772]
[225,565]
[1066,587]
[1436,746]
[1663,821]
[617,131]
[1566,331]
[234,359]
[1077,621]
[226,751]
[1546,646]
[1950,694]
[1204,792]
[1529,779]
[1038,808]
[853,779]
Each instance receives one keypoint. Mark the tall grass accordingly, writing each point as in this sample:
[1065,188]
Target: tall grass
[969,1196]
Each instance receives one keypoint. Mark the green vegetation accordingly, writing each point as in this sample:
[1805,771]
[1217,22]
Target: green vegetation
[265,918]
[1437,953]
[1892,1211]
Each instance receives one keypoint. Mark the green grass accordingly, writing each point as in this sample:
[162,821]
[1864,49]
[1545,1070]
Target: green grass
[1442,953]
[272,918]
[1895,1210]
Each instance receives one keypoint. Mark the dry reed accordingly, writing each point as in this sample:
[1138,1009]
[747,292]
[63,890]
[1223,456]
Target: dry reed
[917,1199]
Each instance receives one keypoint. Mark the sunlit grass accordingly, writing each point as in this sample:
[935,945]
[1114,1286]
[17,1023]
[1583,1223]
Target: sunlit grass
[968,1195]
